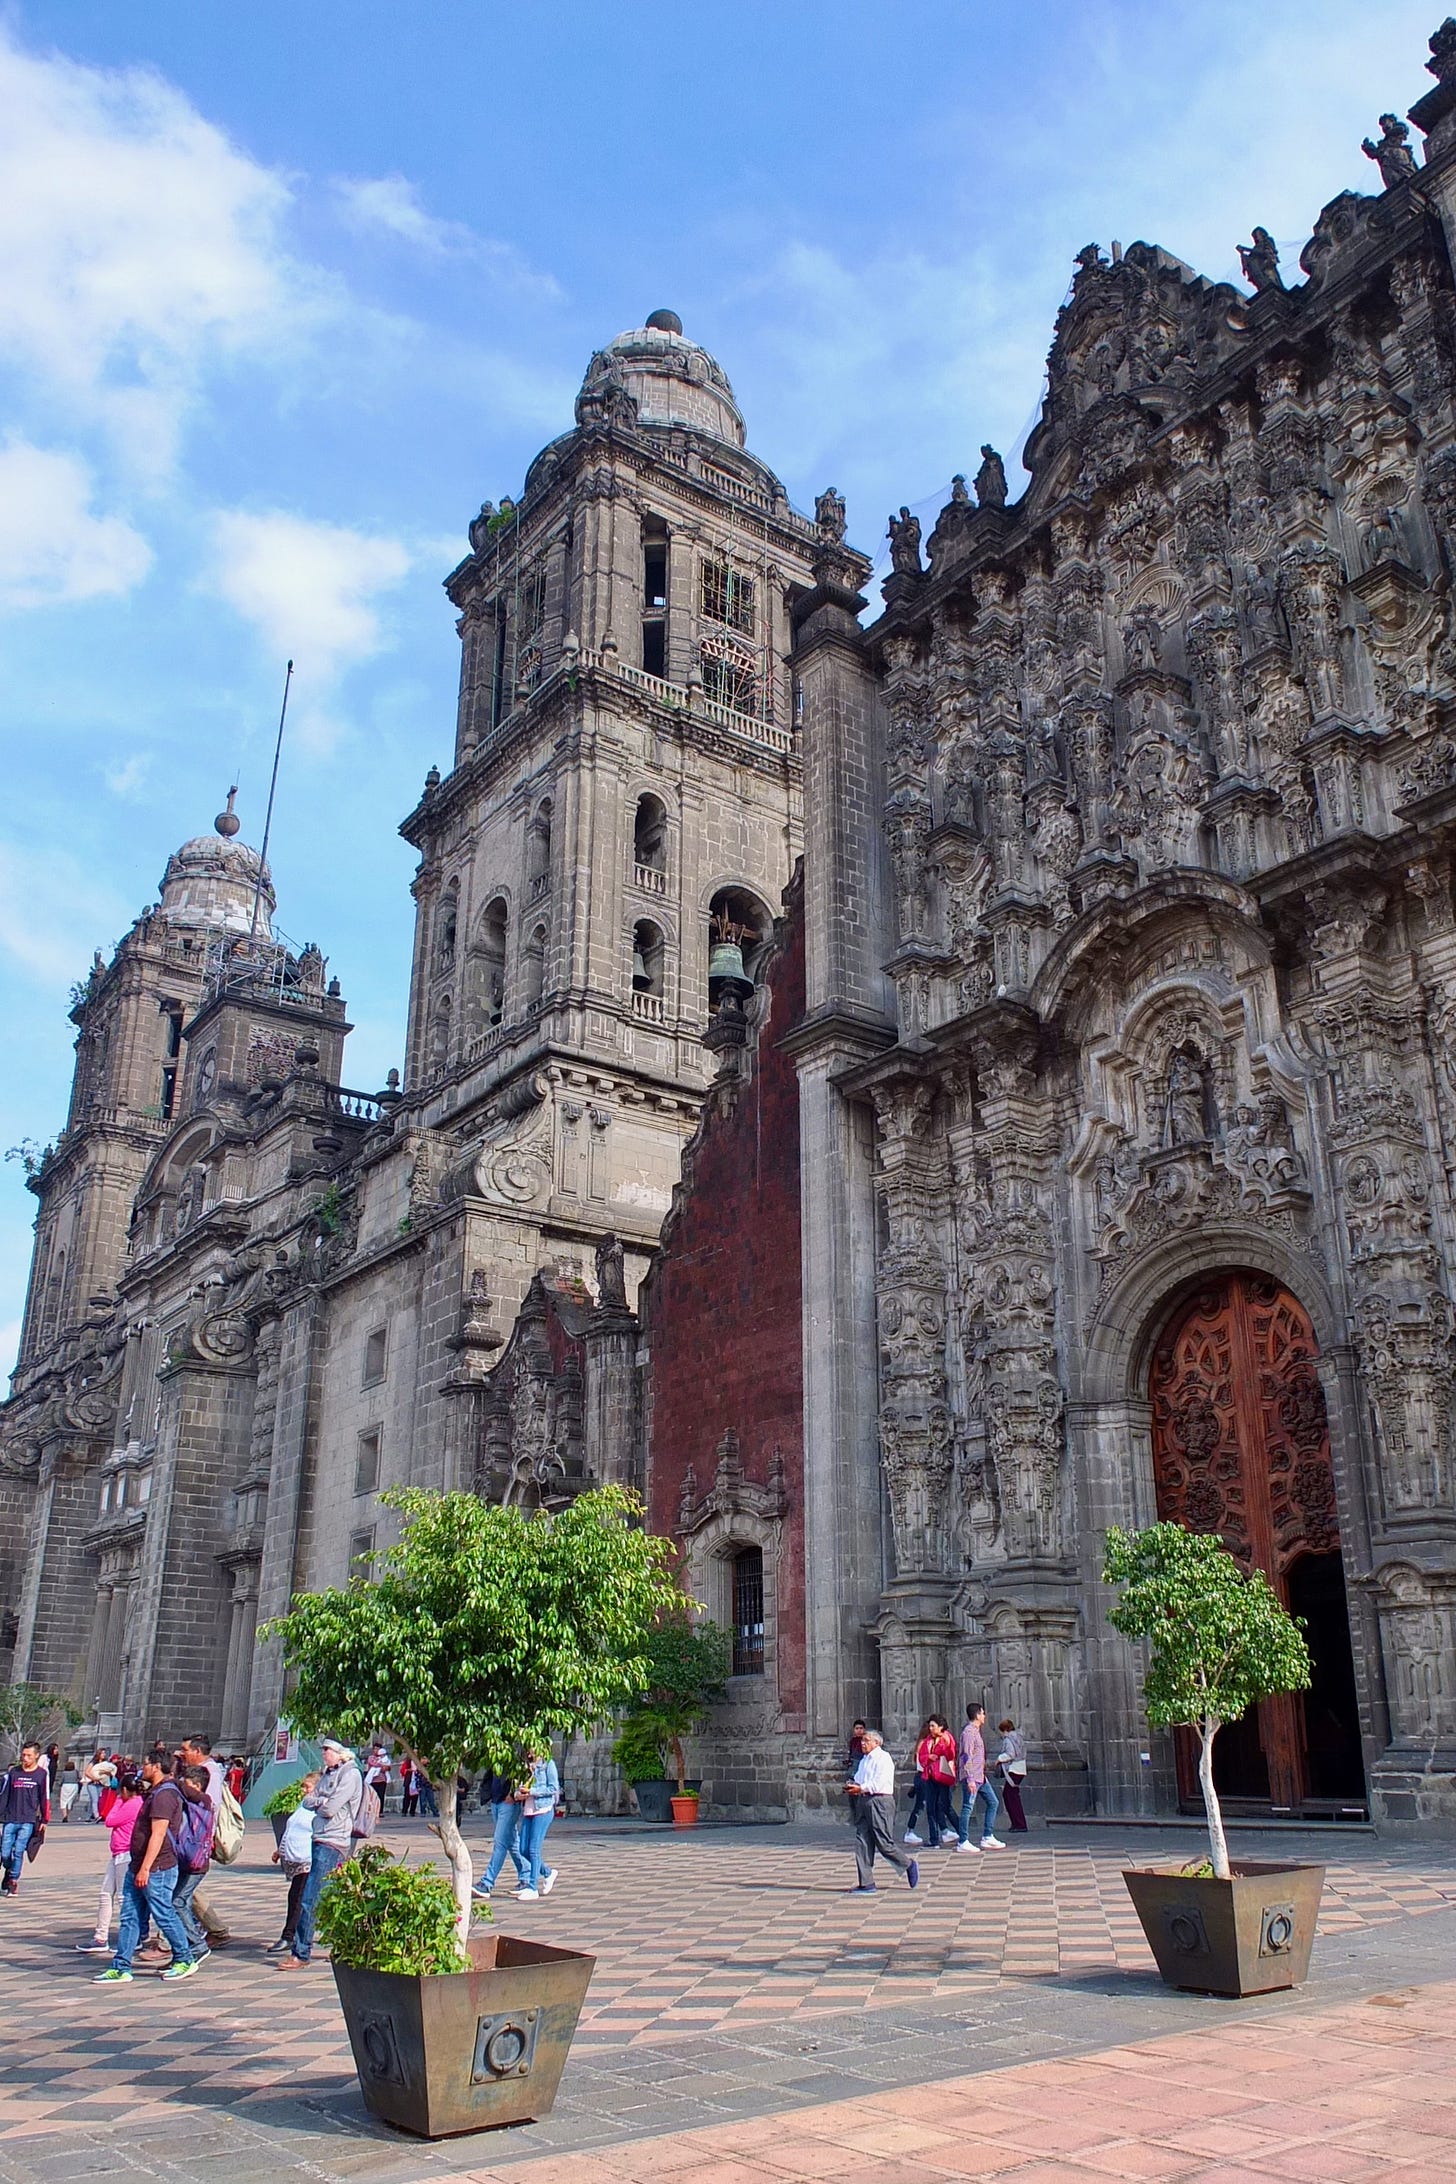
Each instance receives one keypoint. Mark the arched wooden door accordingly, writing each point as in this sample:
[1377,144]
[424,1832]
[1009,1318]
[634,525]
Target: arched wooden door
[1241,1446]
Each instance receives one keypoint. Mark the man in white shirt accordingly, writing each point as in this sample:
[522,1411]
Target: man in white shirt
[873,1795]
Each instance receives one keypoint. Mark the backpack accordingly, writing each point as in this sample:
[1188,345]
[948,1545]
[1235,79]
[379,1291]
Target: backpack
[192,1841]
[227,1840]
[366,1819]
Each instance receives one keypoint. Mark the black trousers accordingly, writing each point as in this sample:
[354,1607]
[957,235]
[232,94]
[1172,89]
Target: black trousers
[874,1836]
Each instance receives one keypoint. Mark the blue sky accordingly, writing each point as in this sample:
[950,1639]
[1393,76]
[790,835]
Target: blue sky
[286,291]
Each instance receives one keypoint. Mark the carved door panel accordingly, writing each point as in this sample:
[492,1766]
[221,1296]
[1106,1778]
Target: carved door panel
[1241,1447]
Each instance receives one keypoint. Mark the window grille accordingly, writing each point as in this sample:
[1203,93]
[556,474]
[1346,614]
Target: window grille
[727,596]
[748,1612]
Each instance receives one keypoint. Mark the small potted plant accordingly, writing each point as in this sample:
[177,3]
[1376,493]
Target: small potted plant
[1219,1641]
[284,1802]
[487,1631]
[688,1662]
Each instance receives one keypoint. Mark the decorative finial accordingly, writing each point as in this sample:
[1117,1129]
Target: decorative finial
[432,779]
[227,823]
[664,322]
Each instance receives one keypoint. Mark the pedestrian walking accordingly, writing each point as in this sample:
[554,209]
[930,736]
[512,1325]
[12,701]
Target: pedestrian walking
[203,1904]
[506,1800]
[151,1877]
[194,1854]
[334,1802]
[377,1771]
[538,1810]
[295,1855]
[236,1776]
[1011,1759]
[125,1810]
[920,1796]
[409,1793]
[939,1765]
[25,1811]
[70,1789]
[429,1803]
[97,1776]
[872,1795]
[976,1783]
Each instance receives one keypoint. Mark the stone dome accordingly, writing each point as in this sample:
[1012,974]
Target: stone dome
[671,379]
[211,881]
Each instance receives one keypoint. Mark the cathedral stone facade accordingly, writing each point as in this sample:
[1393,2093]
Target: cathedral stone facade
[1080,1144]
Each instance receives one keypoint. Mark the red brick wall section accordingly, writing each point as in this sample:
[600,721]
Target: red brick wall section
[722,1305]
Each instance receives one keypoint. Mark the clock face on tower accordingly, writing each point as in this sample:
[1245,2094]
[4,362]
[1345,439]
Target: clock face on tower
[206,1076]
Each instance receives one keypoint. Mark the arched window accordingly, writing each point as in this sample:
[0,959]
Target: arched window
[538,852]
[535,967]
[490,964]
[737,921]
[446,924]
[649,845]
[747,1570]
[647,969]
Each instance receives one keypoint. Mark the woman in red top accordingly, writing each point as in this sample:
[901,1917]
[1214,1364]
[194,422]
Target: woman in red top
[935,1760]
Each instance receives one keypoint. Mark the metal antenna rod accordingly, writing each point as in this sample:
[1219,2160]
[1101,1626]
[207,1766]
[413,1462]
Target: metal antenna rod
[268,820]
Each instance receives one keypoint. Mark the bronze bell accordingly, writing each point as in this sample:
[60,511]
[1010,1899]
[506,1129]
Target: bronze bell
[726,973]
[641,976]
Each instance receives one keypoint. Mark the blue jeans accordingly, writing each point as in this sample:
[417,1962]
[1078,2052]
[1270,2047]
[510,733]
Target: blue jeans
[533,1842]
[507,1818]
[182,1895]
[154,1901]
[17,1834]
[987,1793]
[429,1803]
[327,1858]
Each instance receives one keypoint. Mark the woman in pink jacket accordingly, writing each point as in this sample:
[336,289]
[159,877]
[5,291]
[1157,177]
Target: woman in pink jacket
[120,1819]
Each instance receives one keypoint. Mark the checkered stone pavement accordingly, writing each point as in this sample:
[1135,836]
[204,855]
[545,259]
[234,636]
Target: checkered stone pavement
[735,1975]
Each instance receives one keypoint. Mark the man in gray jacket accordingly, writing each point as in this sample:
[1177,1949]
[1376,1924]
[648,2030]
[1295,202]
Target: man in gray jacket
[334,1804]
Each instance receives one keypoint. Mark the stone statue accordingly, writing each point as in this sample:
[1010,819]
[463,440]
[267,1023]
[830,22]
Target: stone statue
[1090,257]
[1143,642]
[830,515]
[991,480]
[1392,155]
[611,1273]
[959,492]
[905,544]
[480,528]
[1185,1120]
[1260,261]
[1261,592]
[1378,541]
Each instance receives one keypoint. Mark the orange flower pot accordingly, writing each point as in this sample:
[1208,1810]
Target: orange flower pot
[684,1812]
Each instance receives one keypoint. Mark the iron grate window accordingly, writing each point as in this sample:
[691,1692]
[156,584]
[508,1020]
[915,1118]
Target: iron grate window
[748,1612]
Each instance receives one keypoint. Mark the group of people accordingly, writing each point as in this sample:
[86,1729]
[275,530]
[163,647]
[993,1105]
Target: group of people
[79,1785]
[522,1808]
[942,1762]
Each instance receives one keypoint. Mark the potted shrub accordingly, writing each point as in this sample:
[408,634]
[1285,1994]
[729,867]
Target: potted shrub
[688,1662]
[284,1802]
[637,1750]
[1220,1641]
[487,1631]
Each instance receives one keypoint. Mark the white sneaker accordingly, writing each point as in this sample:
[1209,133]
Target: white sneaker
[992,1842]
[528,1895]
[947,1836]
[967,1845]
[910,1836]
[548,1882]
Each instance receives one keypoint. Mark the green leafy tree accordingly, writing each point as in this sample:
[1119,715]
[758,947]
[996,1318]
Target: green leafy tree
[486,1632]
[29,1715]
[688,1662]
[1220,1639]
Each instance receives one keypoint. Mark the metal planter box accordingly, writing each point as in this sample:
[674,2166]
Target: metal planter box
[1248,1935]
[464,2051]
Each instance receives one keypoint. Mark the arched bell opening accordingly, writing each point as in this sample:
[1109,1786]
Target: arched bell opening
[739,930]
[1241,1448]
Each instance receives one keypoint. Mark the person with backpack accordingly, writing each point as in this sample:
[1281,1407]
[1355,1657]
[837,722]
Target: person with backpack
[151,1878]
[25,1810]
[334,1802]
[125,1806]
[194,1854]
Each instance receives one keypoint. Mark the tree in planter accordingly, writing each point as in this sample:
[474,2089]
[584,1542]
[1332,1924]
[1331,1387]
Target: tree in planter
[688,1663]
[29,1715]
[1220,1640]
[487,1631]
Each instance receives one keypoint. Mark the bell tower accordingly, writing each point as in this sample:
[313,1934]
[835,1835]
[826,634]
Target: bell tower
[626,789]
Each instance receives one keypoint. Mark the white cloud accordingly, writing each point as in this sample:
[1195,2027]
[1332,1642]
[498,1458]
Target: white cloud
[136,244]
[53,545]
[129,778]
[390,204]
[306,587]
[54,913]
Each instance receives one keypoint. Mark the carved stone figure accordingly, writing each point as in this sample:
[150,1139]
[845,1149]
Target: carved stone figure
[611,1273]
[905,544]
[1185,1110]
[1142,640]
[991,480]
[830,515]
[1260,261]
[1392,155]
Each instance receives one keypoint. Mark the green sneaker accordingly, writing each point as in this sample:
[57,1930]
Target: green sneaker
[184,1970]
[112,1978]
